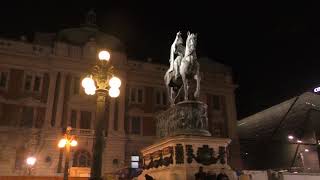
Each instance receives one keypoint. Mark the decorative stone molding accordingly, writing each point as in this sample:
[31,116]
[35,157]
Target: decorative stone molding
[206,155]
[187,117]
[163,157]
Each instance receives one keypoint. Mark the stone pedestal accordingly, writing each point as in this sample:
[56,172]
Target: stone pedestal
[185,145]
[179,157]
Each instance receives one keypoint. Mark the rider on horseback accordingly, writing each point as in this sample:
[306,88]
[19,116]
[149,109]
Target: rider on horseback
[178,49]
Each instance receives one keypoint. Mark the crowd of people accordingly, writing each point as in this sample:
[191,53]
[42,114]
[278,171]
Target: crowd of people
[201,175]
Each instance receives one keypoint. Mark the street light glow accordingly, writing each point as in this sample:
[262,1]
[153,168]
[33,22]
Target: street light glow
[74,143]
[114,82]
[62,143]
[106,82]
[87,82]
[114,92]
[104,55]
[299,141]
[306,150]
[290,137]
[31,161]
[91,90]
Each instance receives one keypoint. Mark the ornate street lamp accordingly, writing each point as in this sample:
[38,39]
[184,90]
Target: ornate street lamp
[101,82]
[30,163]
[66,142]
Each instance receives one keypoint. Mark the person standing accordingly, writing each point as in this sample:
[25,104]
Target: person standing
[222,175]
[200,175]
[211,176]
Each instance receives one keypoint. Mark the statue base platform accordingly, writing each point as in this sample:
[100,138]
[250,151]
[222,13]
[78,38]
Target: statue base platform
[179,157]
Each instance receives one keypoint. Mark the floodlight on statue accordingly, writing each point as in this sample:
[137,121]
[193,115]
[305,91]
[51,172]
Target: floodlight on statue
[114,82]
[104,55]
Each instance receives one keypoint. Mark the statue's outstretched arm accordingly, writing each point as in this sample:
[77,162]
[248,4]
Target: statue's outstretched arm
[173,46]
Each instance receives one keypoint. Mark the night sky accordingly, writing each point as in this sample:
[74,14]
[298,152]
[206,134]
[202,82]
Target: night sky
[274,49]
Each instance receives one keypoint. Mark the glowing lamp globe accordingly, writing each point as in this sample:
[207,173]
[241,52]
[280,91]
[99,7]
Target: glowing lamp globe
[62,143]
[31,161]
[91,90]
[74,143]
[87,82]
[114,82]
[104,55]
[114,92]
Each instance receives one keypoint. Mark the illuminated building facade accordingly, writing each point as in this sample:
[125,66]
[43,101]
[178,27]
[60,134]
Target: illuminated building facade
[40,94]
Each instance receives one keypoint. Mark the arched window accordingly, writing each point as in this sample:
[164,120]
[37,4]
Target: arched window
[20,158]
[81,158]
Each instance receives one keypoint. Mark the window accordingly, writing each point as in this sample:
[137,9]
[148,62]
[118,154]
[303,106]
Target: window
[32,82]
[37,82]
[135,161]
[27,117]
[81,158]
[140,95]
[160,97]
[115,161]
[136,125]
[164,98]
[73,119]
[216,102]
[4,79]
[136,95]
[20,158]
[85,120]
[76,85]
[27,82]
[133,95]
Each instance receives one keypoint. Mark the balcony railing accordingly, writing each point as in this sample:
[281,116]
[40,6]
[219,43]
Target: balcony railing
[82,132]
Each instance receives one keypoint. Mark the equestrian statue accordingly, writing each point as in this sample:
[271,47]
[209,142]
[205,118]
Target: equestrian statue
[184,68]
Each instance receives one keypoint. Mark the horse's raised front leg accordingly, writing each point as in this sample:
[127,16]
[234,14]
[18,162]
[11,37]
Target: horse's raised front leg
[169,93]
[185,87]
[198,79]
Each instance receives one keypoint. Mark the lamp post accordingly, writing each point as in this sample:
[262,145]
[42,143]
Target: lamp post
[101,82]
[66,142]
[30,163]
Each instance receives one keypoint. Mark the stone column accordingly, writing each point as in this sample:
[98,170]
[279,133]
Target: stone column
[111,114]
[60,103]
[231,115]
[50,99]
[78,119]
[121,106]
